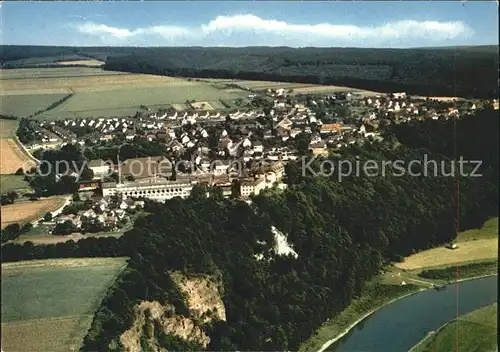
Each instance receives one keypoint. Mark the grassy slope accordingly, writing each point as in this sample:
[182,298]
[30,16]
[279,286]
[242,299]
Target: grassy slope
[488,231]
[476,245]
[48,305]
[473,332]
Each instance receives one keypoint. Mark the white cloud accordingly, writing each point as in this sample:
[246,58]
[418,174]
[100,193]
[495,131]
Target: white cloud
[123,33]
[259,31]
[102,29]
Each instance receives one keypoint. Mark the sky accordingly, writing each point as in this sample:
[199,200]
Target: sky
[396,24]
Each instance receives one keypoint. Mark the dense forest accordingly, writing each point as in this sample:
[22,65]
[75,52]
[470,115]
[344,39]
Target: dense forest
[343,232]
[457,71]
[468,72]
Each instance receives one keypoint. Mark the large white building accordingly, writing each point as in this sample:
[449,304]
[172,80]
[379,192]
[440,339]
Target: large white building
[159,191]
[252,187]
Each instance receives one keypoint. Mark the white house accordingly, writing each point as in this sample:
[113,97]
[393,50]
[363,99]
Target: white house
[258,147]
[99,168]
[246,143]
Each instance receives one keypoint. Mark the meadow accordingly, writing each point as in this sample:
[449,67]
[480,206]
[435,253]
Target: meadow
[290,87]
[48,305]
[473,245]
[13,183]
[101,93]
[120,100]
[89,63]
[8,128]
[21,105]
[50,72]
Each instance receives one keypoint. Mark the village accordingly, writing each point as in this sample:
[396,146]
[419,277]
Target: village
[240,152]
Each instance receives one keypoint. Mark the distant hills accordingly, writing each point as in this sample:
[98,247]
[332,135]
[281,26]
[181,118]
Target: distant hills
[468,71]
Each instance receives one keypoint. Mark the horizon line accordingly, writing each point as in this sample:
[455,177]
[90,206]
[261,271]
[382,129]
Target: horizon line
[252,46]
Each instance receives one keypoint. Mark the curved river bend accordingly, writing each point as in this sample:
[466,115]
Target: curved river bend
[402,324]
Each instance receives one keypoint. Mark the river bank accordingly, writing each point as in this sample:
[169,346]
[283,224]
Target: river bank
[397,282]
[366,305]
[478,327]
[374,297]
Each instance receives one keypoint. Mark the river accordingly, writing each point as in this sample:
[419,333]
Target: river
[402,324]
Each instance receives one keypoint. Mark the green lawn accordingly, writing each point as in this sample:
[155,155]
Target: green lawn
[473,332]
[8,128]
[489,230]
[13,183]
[48,305]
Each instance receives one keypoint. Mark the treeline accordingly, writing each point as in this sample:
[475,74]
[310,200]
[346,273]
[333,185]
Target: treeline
[52,106]
[8,117]
[13,231]
[466,271]
[457,71]
[343,232]
[26,131]
[468,72]
[87,247]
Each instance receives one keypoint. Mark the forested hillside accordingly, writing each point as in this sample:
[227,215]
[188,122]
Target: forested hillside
[459,71]
[343,232]
[464,72]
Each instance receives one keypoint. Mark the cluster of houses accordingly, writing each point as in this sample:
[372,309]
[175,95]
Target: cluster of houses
[242,139]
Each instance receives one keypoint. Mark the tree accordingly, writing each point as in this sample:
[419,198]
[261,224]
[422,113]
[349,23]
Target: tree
[302,141]
[19,171]
[11,232]
[12,196]
[64,228]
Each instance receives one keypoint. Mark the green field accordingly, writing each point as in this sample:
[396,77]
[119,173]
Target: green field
[48,305]
[26,105]
[62,72]
[118,101]
[13,183]
[487,231]
[476,332]
[98,93]
[8,128]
